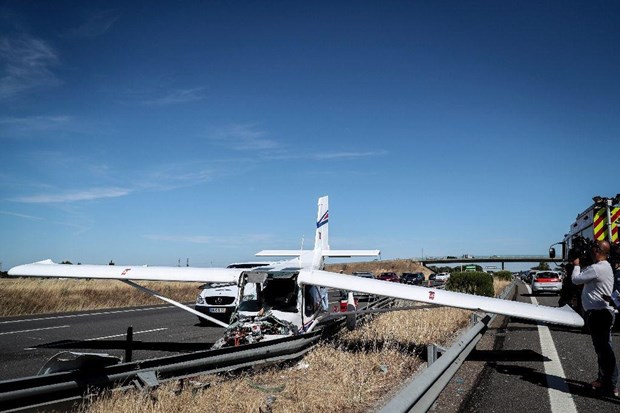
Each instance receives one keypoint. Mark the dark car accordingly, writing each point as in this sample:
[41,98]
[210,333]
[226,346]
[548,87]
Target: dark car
[363,274]
[388,276]
[413,278]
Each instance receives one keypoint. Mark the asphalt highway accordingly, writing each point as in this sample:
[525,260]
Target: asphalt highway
[164,324]
[158,323]
[537,368]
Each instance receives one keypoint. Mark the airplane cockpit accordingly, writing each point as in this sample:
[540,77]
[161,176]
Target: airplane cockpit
[274,290]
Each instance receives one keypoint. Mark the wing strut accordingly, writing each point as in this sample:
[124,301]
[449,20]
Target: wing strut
[175,303]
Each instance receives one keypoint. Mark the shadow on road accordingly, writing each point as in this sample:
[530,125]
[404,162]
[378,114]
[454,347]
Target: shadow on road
[533,376]
[506,355]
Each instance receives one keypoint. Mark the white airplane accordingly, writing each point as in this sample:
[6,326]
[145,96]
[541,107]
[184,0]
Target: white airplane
[277,296]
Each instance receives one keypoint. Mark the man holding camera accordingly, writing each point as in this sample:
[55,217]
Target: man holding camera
[598,282]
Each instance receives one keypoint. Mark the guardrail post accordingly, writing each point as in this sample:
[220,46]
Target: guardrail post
[474,319]
[128,345]
[421,392]
[433,352]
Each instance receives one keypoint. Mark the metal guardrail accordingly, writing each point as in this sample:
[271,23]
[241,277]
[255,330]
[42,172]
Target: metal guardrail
[22,394]
[422,391]
[65,389]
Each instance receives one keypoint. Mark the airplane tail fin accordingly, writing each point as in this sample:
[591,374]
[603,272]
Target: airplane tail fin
[321,242]
[321,239]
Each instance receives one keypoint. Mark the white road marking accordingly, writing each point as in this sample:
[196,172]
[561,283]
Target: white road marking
[124,334]
[28,331]
[86,314]
[559,394]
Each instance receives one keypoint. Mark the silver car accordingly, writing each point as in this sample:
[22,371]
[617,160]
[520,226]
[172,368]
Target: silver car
[546,282]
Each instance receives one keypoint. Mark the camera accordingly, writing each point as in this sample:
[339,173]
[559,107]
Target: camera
[581,248]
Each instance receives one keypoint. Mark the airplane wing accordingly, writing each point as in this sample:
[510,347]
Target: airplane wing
[564,315]
[48,268]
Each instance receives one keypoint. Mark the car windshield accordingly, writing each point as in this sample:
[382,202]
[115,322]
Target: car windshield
[546,275]
[218,285]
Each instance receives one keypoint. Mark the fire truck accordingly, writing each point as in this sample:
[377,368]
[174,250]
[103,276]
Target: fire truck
[599,222]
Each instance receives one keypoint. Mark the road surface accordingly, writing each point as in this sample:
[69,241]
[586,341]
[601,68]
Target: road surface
[522,366]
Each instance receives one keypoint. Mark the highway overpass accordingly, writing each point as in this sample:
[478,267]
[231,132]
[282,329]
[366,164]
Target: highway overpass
[486,259]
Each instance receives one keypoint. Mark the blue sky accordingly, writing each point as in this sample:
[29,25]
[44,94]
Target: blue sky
[145,132]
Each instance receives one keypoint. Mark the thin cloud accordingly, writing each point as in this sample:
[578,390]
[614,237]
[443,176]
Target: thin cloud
[211,239]
[191,239]
[85,195]
[174,176]
[166,178]
[323,156]
[26,65]
[243,138]
[14,214]
[347,155]
[20,126]
[96,24]
[176,97]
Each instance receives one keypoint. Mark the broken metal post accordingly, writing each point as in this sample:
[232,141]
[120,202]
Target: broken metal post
[474,318]
[128,345]
[431,351]
[145,380]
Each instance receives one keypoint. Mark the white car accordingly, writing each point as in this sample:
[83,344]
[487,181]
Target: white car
[442,276]
[218,300]
[546,282]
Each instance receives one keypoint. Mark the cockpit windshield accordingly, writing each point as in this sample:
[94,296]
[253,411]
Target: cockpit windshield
[277,293]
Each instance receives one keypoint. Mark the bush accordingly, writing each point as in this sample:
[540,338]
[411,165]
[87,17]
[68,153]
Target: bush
[478,283]
[503,275]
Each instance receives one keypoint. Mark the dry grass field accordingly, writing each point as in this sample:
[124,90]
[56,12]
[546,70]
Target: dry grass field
[22,296]
[354,374]
[499,285]
[326,380]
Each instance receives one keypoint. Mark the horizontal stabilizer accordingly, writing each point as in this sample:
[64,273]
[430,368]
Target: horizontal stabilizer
[565,315]
[279,253]
[324,253]
[350,253]
[48,268]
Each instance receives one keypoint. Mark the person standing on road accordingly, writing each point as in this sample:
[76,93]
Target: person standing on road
[598,281]
[615,253]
